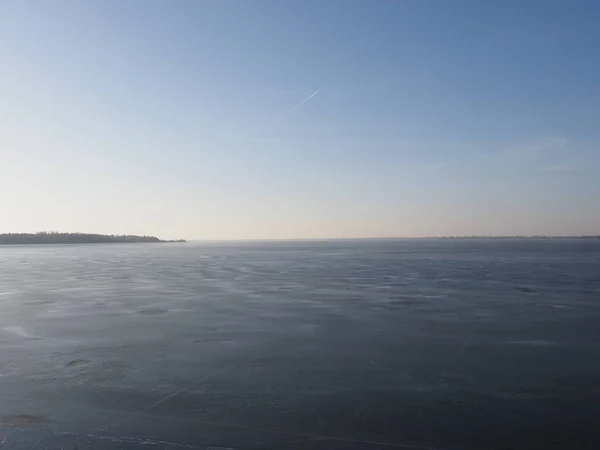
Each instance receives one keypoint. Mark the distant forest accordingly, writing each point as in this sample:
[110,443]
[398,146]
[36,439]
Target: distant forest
[54,237]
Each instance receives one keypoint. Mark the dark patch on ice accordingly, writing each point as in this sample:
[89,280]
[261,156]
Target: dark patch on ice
[399,300]
[532,342]
[528,290]
[213,341]
[350,300]
[450,402]
[39,302]
[78,362]
[152,311]
[24,419]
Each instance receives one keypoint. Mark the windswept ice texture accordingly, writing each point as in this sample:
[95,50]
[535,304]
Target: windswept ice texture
[427,344]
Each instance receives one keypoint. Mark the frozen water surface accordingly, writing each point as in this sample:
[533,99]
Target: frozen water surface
[416,344]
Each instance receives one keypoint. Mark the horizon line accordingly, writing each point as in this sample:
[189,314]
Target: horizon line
[517,236]
[354,238]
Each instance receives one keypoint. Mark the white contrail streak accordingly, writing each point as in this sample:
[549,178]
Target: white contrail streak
[305,100]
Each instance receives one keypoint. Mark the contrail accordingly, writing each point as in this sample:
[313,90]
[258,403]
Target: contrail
[305,100]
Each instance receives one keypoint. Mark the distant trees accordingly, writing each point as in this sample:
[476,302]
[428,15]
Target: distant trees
[55,237]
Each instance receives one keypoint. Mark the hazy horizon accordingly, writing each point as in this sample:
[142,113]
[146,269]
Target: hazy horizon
[315,239]
[300,120]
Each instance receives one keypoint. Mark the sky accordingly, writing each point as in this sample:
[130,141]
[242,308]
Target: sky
[222,119]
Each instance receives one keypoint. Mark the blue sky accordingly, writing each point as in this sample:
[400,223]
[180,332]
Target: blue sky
[181,119]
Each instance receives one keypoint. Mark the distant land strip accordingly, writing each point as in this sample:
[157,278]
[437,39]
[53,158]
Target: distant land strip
[53,237]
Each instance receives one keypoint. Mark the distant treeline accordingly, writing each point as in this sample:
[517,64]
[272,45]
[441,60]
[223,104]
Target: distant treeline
[54,237]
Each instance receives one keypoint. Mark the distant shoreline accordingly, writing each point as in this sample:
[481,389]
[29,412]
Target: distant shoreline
[55,238]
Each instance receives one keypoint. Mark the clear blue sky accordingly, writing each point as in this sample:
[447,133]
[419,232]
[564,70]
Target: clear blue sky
[183,119]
